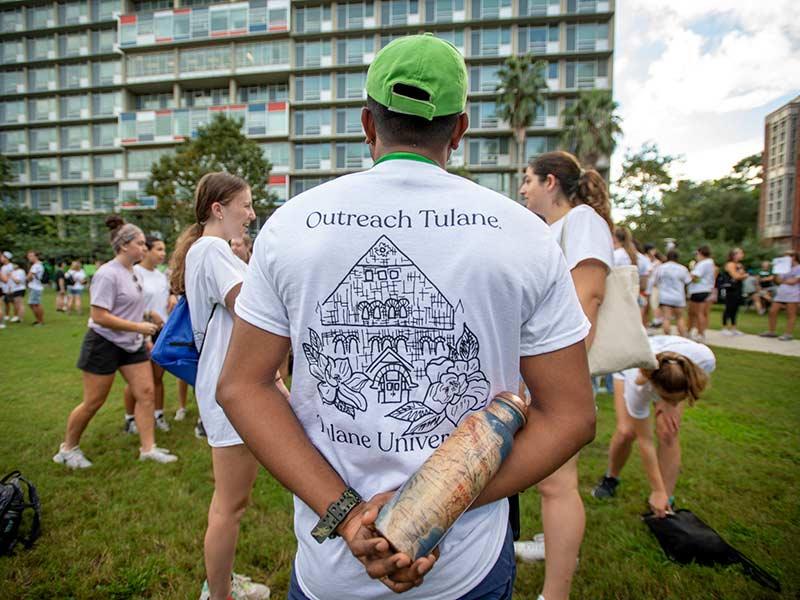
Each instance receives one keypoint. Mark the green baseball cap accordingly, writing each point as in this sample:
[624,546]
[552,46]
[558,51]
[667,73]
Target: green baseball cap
[424,62]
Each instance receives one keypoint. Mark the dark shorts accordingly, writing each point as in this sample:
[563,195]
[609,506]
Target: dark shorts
[11,295]
[497,585]
[699,297]
[101,357]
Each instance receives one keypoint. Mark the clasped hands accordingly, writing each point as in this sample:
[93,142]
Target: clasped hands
[395,570]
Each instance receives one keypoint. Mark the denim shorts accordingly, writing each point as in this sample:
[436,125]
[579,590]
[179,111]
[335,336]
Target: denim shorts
[497,585]
[34,296]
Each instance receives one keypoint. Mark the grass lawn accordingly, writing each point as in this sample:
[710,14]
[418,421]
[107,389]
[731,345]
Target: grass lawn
[124,529]
[749,321]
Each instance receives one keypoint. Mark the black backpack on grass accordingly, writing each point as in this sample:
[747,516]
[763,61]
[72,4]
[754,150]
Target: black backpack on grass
[12,508]
[685,538]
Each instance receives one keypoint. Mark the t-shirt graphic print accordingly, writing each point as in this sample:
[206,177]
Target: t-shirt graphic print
[400,331]
[409,295]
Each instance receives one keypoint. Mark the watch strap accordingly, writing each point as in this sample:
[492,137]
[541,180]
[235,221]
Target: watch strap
[336,513]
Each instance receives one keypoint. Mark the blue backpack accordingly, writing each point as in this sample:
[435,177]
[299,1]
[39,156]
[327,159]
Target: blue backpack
[175,349]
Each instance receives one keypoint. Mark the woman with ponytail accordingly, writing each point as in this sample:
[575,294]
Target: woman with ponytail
[575,204]
[118,325]
[204,267]
[626,253]
[682,374]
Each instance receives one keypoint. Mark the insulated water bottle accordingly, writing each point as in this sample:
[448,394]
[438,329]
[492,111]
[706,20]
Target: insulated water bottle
[447,483]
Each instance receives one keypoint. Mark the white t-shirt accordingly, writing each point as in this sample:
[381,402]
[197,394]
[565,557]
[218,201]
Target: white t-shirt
[587,236]
[16,281]
[408,280]
[78,279]
[704,270]
[38,272]
[643,264]
[638,398]
[671,279]
[155,288]
[6,269]
[212,270]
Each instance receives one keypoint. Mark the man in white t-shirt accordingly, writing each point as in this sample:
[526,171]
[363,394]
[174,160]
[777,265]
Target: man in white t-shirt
[35,286]
[409,295]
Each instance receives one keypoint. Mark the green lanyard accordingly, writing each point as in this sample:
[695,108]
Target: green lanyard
[405,156]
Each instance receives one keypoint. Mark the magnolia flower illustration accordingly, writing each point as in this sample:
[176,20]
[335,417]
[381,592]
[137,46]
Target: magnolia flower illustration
[338,384]
[457,386]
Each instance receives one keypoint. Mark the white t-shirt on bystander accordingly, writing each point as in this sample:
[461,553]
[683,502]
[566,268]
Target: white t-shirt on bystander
[671,279]
[78,279]
[638,398]
[155,288]
[704,271]
[408,304]
[584,235]
[16,282]
[38,273]
[212,270]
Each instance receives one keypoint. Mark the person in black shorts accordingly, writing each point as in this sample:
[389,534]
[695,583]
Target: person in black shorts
[115,342]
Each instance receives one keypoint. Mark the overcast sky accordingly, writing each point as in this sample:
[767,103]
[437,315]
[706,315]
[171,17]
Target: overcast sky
[699,76]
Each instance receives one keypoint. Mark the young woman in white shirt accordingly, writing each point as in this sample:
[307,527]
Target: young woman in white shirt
[575,204]
[205,268]
[682,375]
[626,253]
[704,275]
[671,280]
[77,276]
[17,283]
[158,302]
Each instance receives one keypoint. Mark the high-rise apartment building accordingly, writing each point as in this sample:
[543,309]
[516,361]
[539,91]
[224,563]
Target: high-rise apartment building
[93,91]
[779,210]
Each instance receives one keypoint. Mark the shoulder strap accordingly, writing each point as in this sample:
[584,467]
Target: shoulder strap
[213,308]
[563,241]
[36,527]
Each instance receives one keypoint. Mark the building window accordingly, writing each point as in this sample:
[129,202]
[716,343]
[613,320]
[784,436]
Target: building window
[444,11]
[141,161]
[13,141]
[151,65]
[277,153]
[42,109]
[358,15]
[105,197]
[399,12]
[313,19]
[44,169]
[106,104]
[12,52]
[587,37]
[105,73]
[73,13]
[302,184]
[40,80]
[539,144]
[353,155]
[103,41]
[276,92]
[42,48]
[538,39]
[539,8]
[12,82]
[205,59]
[587,74]
[483,115]
[348,120]
[351,85]
[198,98]
[74,76]
[73,44]
[312,156]
[488,151]
[12,112]
[75,168]
[313,54]
[262,54]
[75,198]
[491,42]
[106,166]
[355,51]
[491,9]
[312,87]
[74,138]
[499,182]
[104,135]
[41,17]
[312,122]
[483,78]
[44,199]
[44,140]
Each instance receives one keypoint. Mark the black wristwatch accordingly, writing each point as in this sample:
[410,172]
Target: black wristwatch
[336,513]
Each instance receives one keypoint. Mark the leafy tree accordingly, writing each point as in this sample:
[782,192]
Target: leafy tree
[645,177]
[591,126]
[218,146]
[521,87]
[6,176]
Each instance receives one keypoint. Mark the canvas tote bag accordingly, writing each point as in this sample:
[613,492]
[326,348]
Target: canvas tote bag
[620,339]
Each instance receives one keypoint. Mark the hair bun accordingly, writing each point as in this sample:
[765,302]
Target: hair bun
[114,222]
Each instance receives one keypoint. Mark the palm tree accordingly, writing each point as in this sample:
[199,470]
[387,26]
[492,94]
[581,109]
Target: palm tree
[521,87]
[591,126]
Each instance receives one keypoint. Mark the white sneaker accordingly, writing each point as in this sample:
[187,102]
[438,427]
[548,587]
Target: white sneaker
[244,587]
[180,414]
[737,332]
[6,317]
[15,319]
[159,455]
[130,427]
[531,551]
[161,423]
[74,459]
[727,332]
[2,325]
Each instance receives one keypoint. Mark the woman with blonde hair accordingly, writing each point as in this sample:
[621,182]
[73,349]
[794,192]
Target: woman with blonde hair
[575,204]
[682,374]
[205,268]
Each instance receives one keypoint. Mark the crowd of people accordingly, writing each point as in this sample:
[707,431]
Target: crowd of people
[410,296]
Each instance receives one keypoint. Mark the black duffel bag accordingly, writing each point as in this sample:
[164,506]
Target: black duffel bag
[13,505]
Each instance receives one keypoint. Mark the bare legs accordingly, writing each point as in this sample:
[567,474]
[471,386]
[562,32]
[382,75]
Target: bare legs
[183,392]
[564,521]
[158,390]
[235,470]
[95,393]
[791,314]
[624,434]
[38,312]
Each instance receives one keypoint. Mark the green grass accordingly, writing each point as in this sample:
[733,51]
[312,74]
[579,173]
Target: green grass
[748,321]
[129,530]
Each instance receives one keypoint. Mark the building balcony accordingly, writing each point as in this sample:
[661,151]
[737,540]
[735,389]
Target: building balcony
[262,119]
